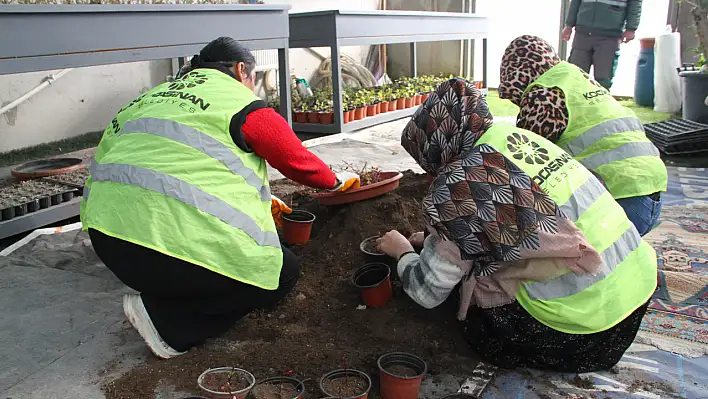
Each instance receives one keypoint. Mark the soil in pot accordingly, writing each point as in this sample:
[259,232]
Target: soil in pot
[402,371]
[220,382]
[321,311]
[353,385]
[275,390]
[297,227]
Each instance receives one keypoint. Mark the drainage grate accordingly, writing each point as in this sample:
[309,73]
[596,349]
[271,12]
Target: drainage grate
[678,136]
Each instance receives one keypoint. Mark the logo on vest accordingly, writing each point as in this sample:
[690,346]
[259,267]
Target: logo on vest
[595,93]
[523,148]
[189,81]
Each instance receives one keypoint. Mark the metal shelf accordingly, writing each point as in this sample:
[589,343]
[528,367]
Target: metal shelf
[337,28]
[40,218]
[45,37]
[355,125]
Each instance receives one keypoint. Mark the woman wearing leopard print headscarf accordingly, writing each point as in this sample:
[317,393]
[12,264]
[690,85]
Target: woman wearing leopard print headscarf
[562,103]
[497,232]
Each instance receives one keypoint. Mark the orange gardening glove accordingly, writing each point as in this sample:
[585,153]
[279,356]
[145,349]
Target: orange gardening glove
[347,181]
[277,209]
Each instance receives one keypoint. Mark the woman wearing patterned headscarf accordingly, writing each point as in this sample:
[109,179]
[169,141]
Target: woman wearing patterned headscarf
[561,103]
[552,273]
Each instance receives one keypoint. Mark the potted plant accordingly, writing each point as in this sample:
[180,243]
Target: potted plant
[346,383]
[282,387]
[274,103]
[325,111]
[374,282]
[297,227]
[359,108]
[226,383]
[300,112]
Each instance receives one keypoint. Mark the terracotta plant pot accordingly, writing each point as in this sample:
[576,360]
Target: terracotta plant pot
[372,255]
[417,99]
[401,103]
[378,108]
[392,105]
[326,118]
[47,167]
[359,113]
[401,374]
[389,181]
[292,383]
[410,102]
[210,392]
[460,396]
[300,117]
[384,107]
[313,117]
[347,116]
[297,227]
[352,375]
[424,97]
[374,281]
[371,110]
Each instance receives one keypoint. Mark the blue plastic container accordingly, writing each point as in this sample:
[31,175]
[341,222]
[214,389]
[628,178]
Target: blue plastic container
[644,80]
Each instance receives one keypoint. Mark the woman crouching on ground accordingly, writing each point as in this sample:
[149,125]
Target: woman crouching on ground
[553,274]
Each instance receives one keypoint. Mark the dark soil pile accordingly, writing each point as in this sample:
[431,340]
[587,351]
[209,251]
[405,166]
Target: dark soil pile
[318,328]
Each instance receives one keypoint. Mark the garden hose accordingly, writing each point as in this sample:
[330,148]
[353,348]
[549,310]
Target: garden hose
[353,74]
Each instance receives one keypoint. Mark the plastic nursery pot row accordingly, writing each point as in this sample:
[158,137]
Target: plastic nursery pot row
[401,375]
[36,204]
[323,118]
[383,107]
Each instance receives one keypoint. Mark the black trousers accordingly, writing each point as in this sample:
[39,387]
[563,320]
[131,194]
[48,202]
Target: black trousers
[186,302]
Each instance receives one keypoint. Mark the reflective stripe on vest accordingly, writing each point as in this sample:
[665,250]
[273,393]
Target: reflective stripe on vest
[616,3]
[201,142]
[187,193]
[599,132]
[572,283]
[625,151]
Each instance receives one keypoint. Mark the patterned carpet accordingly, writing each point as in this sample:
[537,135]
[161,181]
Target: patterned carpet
[679,309]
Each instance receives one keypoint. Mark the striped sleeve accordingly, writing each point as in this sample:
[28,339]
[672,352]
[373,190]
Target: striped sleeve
[428,278]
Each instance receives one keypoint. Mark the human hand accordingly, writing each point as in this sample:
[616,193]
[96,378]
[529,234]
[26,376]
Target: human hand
[417,239]
[627,36]
[347,181]
[394,244]
[567,31]
[277,209]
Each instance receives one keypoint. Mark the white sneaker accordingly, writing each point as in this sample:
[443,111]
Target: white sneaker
[134,310]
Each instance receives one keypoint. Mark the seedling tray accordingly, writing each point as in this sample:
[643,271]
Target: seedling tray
[678,136]
[25,198]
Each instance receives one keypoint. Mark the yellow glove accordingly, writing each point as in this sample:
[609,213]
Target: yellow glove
[347,181]
[277,209]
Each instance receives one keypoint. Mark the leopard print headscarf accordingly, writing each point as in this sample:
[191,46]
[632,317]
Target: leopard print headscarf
[525,60]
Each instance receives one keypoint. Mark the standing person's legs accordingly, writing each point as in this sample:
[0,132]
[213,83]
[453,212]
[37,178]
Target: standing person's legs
[186,303]
[605,60]
[643,211]
[581,53]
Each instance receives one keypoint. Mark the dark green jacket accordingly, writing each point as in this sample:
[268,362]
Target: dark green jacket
[604,17]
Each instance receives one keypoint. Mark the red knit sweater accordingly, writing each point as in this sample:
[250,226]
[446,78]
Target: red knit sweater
[270,136]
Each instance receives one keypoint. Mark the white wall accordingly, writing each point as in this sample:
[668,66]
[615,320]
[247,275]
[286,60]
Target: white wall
[82,101]
[86,99]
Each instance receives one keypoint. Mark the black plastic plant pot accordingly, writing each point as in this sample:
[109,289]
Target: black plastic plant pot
[20,210]
[33,206]
[55,199]
[296,384]
[459,396]
[349,374]
[65,197]
[8,213]
[401,375]
[372,255]
[44,203]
